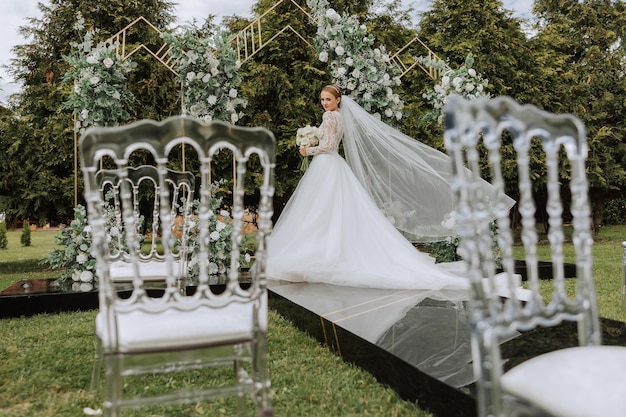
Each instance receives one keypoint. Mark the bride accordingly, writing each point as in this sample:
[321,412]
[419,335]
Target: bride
[341,224]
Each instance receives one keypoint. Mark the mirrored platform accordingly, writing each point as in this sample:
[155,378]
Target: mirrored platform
[418,345]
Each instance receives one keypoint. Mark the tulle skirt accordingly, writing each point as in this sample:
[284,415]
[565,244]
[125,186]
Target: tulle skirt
[331,231]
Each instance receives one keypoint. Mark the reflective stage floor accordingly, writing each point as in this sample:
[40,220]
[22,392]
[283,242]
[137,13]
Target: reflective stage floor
[415,344]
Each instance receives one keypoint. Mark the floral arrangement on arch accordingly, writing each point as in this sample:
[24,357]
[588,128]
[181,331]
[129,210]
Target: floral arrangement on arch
[207,69]
[97,75]
[363,71]
[464,81]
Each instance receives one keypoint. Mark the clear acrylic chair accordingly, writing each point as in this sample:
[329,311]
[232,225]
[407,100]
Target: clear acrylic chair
[144,184]
[586,380]
[144,331]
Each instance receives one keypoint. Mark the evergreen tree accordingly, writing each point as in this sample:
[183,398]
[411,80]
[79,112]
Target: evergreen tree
[3,234]
[581,45]
[44,186]
[455,28]
[25,237]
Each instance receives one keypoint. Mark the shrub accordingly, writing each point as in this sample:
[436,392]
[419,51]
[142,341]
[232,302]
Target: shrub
[614,211]
[3,235]
[25,238]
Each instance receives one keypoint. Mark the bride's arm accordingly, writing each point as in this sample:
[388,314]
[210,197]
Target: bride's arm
[327,134]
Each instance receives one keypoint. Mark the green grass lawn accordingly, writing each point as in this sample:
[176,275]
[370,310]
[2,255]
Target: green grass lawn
[45,363]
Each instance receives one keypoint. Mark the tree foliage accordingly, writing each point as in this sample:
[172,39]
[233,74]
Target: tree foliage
[573,62]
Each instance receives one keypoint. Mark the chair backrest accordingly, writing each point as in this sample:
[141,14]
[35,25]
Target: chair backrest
[144,184]
[164,141]
[546,153]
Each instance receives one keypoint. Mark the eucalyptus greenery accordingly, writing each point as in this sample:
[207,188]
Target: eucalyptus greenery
[463,81]
[75,257]
[363,70]
[208,70]
[97,74]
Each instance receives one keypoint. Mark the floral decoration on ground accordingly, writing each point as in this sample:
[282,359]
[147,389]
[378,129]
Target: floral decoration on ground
[219,243]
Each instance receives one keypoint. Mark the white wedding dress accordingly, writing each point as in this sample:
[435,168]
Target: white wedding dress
[332,231]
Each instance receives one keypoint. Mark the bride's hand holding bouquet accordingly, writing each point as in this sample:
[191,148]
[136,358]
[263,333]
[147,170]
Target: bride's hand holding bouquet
[305,137]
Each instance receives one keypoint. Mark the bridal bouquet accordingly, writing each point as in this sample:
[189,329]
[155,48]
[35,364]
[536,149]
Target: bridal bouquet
[305,137]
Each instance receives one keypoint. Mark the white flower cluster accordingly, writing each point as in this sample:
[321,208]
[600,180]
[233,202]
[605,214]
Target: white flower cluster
[463,81]
[307,136]
[76,255]
[219,244]
[99,94]
[208,70]
[361,70]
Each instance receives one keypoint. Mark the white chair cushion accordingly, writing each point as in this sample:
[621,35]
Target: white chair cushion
[141,331]
[584,381]
[121,271]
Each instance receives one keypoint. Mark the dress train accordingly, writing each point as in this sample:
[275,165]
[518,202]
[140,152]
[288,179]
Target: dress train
[331,231]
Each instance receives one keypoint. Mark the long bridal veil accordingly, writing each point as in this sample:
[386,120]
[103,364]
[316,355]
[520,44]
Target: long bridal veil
[409,181]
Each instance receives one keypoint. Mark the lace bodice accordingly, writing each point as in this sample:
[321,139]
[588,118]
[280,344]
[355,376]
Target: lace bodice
[330,134]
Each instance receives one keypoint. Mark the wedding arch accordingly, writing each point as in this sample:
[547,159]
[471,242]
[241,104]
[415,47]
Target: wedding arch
[247,42]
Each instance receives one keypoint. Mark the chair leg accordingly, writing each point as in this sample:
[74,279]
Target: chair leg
[112,386]
[97,368]
[262,396]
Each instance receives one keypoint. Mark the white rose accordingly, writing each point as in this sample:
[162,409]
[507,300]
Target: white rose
[471,72]
[94,80]
[232,93]
[212,100]
[323,56]
[108,62]
[224,213]
[86,276]
[339,50]
[81,258]
[214,235]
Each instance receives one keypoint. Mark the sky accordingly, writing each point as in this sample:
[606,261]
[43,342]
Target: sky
[16,12]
